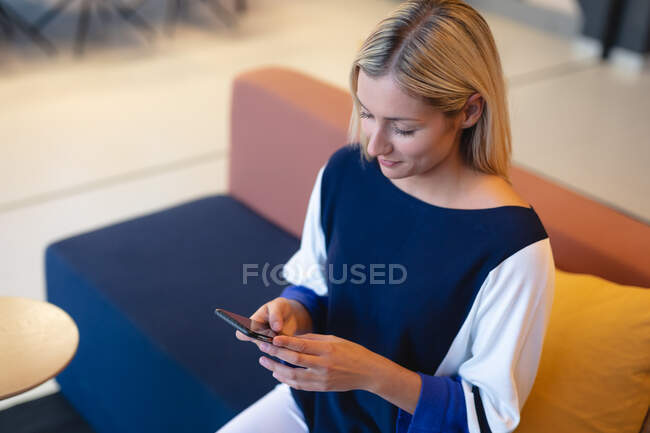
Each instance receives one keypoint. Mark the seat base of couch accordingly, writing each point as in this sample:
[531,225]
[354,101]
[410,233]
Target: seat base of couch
[152,355]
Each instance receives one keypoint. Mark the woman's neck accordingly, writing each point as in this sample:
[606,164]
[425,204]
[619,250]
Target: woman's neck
[446,184]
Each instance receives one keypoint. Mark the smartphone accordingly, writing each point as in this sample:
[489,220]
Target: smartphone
[252,328]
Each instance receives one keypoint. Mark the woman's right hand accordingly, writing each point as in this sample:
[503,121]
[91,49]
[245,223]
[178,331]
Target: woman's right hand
[284,316]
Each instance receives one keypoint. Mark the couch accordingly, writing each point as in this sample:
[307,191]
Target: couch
[154,358]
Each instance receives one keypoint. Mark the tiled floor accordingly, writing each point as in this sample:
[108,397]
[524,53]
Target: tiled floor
[125,132]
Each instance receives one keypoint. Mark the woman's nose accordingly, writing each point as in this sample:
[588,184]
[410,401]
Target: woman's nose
[378,145]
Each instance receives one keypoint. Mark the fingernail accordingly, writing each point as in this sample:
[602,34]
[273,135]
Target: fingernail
[276,325]
[263,361]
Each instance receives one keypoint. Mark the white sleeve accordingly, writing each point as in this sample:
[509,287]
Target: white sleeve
[506,336]
[307,266]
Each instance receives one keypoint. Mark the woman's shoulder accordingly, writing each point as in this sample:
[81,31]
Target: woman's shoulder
[510,222]
[344,162]
[345,155]
[492,191]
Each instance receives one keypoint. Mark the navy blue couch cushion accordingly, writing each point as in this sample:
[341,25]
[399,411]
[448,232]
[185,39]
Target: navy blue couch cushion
[143,293]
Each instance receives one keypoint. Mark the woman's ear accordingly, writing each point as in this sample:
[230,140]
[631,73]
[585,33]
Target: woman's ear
[472,111]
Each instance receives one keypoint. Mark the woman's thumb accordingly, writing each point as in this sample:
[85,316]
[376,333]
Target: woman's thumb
[275,317]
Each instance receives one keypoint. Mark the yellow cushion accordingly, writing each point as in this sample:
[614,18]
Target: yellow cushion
[594,374]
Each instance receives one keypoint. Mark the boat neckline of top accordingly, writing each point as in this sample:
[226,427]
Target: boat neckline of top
[375,164]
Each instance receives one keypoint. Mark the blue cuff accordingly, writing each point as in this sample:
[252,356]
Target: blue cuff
[441,408]
[315,305]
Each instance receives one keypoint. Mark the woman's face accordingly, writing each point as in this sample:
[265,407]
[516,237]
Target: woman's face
[414,136]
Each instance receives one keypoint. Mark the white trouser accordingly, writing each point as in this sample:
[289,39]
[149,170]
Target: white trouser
[277,411]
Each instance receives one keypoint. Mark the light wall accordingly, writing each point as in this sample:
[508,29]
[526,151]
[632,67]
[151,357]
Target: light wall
[568,6]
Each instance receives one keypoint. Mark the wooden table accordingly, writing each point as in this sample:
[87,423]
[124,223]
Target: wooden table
[37,341]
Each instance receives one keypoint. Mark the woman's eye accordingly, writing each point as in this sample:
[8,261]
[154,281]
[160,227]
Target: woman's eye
[403,132]
[365,115]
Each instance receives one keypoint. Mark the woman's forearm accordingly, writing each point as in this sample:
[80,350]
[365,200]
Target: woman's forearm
[396,384]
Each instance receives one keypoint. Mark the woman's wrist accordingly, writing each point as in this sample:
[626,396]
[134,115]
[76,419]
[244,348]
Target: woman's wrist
[395,384]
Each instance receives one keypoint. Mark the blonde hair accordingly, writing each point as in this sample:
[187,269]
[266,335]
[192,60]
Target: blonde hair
[441,52]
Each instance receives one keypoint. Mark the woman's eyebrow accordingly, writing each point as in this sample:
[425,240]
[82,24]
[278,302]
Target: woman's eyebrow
[388,118]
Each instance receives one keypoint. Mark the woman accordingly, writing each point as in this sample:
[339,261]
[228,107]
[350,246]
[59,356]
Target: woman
[451,343]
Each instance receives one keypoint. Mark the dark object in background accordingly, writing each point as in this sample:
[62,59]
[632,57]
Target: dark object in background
[613,23]
[229,19]
[127,13]
[618,23]
[634,31]
[11,22]
[49,414]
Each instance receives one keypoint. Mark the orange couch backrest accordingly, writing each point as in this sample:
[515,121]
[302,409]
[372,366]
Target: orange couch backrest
[285,125]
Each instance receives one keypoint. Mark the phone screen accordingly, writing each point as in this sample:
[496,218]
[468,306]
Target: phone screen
[252,328]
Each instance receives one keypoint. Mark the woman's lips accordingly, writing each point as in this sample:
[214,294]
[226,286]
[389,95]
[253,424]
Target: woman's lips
[387,163]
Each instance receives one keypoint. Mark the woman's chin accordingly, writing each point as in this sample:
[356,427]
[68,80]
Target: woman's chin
[395,172]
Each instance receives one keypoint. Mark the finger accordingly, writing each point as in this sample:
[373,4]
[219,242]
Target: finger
[243,337]
[301,386]
[299,344]
[262,314]
[312,336]
[298,378]
[284,370]
[276,315]
[292,357]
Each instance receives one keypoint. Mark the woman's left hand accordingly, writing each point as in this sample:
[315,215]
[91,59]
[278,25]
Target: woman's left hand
[331,363]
